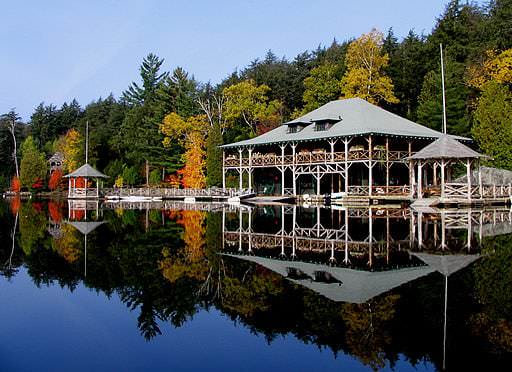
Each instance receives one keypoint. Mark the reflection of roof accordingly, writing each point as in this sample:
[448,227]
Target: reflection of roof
[447,264]
[86,171]
[57,157]
[446,147]
[86,227]
[352,117]
[356,286]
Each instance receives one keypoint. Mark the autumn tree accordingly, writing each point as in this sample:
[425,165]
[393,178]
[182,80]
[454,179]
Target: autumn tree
[494,67]
[70,145]
[248,104]
[190,133]
[365,77]
[55,180]
[33,164]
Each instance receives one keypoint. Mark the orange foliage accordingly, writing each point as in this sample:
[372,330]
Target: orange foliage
[55,211]
[77,214]
[193,172]
[189,261]
[15,184]
[15,205]
[68,245]
[55,180]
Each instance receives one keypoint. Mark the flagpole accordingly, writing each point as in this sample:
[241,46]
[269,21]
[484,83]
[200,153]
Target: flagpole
[442,82]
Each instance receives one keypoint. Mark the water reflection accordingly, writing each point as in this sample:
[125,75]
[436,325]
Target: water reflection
[378,284]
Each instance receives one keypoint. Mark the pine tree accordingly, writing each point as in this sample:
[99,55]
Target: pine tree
[214,156]
[151,80]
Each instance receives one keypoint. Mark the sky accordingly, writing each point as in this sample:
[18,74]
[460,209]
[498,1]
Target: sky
[57,50]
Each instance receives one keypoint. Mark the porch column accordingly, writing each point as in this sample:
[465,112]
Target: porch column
[346,142]
[468,175]
[387,163]
[480,180]
[411,169]
[224,169]
[318,179]
[240,175]
[282,169]
[69,187]
[443,181]
[250,169]
[332,143]
[434,170]
[370,166]
[420,188]
[293,170]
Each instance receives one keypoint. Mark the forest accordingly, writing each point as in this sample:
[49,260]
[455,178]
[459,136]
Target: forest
[165,129]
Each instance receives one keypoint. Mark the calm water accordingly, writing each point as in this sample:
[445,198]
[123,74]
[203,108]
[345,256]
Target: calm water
[114,287]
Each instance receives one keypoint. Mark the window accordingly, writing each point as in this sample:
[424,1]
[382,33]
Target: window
[320,126]
[292,129]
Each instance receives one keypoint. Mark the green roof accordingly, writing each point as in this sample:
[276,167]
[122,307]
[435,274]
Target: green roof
[353,117]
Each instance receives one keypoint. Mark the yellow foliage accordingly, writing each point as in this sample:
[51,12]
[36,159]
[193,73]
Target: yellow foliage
[365,76]
[70,145]
[190,260]
[496,67]
[119,182]
[68,245]
[191,134]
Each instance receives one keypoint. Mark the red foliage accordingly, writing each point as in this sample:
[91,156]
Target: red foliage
[80,183]
[55,180]
[77,214]
[55,210]
[38,206]
[15,184]
[15,205]
[38,184]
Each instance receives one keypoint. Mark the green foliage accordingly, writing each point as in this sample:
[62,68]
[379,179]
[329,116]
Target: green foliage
[321,86]
[155,177]
[214,156]
[151,80]
[493,124]
[33,163]
[130,176]
[430,109]
[114,169]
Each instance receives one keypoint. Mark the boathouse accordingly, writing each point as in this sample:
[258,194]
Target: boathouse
[351,148]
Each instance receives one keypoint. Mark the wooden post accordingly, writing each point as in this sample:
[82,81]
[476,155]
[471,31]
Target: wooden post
[387,163]
[443,181]
[420,191]
[224,169]
[240,175]
[346,142]
[468,175]
[370,166]
[293,170]
[250,169]
[282,169]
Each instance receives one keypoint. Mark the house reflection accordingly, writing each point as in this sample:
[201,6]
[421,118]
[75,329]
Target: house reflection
[363,252]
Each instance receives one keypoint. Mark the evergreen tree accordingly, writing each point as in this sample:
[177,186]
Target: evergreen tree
[33,164]
[493,124]
[214,156]
[430,109]
[151,80]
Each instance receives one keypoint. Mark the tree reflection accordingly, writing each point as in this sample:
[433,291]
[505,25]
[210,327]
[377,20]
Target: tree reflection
[166,266]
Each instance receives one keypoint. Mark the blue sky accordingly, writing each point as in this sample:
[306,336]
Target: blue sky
[57,50]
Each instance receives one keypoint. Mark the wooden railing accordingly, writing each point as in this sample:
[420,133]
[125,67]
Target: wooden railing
[404,190]
[313,157]
[174,193]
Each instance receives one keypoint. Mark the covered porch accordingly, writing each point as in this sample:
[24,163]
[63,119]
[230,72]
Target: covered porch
[84,183]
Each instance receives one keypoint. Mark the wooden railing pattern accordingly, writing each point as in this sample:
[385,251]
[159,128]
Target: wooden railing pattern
[313,157]
[174,192]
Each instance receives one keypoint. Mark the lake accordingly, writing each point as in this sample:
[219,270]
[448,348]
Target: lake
[173,286]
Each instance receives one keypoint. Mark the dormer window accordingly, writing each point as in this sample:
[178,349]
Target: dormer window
[294,128]
[320,126]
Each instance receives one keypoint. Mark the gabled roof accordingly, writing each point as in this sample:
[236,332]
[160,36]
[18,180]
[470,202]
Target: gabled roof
[86,171]
[446,147]
[86,227]
[353,117]
[357,286]
[447,264]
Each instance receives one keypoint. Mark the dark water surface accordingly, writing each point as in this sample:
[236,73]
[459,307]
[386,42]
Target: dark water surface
[116,287]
